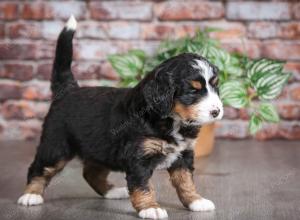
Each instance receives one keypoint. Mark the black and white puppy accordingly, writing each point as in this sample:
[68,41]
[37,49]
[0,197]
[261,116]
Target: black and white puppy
[151,126]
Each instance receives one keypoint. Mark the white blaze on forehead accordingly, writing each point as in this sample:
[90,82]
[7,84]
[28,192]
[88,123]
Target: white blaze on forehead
[205,68]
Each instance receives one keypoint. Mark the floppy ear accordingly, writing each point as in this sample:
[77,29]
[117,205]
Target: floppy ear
[159,93]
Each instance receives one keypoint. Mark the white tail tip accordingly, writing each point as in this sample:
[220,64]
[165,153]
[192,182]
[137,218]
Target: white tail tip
[71,23]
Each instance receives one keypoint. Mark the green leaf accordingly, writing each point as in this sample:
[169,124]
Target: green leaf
[127,65]
[270,86]
[234,93]
[139,53]
[255,124]
[268,112]
[259,68]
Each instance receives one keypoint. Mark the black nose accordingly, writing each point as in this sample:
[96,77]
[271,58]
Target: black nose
[215,112]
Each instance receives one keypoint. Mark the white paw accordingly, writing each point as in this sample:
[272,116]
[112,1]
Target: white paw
[153,213]
[30,199]
[201,205]
[117,193]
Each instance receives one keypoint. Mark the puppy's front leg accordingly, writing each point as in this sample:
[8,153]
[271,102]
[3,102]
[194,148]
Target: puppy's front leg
[182,179]
[142,195]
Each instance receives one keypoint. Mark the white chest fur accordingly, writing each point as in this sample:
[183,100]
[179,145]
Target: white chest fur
[182,144]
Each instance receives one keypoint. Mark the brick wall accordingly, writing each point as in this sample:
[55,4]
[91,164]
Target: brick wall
[28,30]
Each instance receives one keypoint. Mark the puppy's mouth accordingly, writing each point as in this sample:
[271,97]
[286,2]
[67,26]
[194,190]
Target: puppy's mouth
[203,119]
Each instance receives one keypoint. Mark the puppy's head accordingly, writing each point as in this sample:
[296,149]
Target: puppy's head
[185,87]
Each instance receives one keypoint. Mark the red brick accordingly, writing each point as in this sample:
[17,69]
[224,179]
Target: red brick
[289,111]
[290,30]
[150,47]
[123,30]
[93,30]
[152,31]
[49,10]
[36,90]
[46,50]
[244,114]
[284,130]
[295,91]
[254,10]
[51,29]
[93,70]
[189,10]
[283,50]
[126,10]
[267,132]
[24,30]
[251,48]
[82,71]
[289,130]
[24,109]
[9,90]
[227,30]
[16,71]
[36,11]
[18,51]
[230,113]
[44,71]
[63,10]
[87,70]
[296,10]
[293,67]
[235,129]
[262,30]
[284,95]
[95,50]
[2,30]
[160,31]
[108,72]
[8,10]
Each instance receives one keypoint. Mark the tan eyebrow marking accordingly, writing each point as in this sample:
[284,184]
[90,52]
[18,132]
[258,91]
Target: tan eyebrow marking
[196,84]
[214,81]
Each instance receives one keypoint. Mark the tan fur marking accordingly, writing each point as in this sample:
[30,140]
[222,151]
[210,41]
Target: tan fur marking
[215,81]
[183,182]
[154,146]
[141,199]
[196,84]
[186,112]
[38,184]
[96,176]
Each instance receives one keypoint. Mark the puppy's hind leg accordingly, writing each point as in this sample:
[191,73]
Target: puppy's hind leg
[51,157]
[96,176]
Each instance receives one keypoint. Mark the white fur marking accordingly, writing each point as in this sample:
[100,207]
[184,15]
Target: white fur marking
[201,205]
[182,144]
[153,213]
[30,199]
[212,100]
[71,23]
[117,193]
[170,158]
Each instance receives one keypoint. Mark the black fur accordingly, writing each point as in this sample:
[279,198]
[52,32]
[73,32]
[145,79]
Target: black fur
[108,125]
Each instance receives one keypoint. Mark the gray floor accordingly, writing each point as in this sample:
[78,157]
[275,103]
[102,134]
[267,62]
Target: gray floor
[245,179]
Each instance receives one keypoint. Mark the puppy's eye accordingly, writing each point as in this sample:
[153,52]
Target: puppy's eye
[214,81]
[196,85]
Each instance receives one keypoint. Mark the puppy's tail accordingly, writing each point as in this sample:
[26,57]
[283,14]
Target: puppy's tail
[62,78]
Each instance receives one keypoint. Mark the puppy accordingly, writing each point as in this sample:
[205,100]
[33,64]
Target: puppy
[133,130]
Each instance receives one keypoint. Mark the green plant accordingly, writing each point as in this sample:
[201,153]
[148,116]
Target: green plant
[244,83]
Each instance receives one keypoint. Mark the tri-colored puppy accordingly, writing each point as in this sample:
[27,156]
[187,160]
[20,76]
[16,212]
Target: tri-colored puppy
[151,126]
